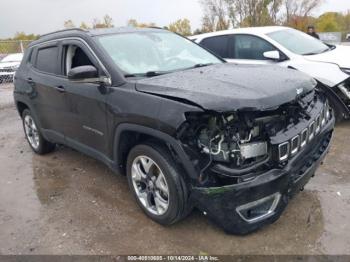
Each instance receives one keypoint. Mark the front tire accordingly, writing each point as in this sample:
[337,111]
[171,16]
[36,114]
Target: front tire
[156,184]
[32,132]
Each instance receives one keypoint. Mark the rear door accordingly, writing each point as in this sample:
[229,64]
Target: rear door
[85,124]
[48,98]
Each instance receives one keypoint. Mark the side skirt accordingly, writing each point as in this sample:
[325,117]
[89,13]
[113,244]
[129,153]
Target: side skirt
[58,138]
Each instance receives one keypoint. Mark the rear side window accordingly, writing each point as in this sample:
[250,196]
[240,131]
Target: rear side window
[217,44]
[47,60]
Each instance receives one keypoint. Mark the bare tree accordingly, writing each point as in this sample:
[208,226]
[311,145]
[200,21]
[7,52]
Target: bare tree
[299,9]
[134,23]
[216,15]
[68,24]
[181,26]
[208,24]
[254,12]
[274,9]
[107,22]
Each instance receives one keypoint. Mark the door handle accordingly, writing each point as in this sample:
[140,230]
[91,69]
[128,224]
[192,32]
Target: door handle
[60,89]
[30,81]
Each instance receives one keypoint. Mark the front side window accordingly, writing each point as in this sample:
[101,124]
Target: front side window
[217,44]
[75,57]
[250,47]
[47,60]
[144,52]
[298,42]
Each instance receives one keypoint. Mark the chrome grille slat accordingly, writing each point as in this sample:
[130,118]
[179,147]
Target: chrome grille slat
[295,143]
[304,137]
[283,150]
[292,147]
[311,130]
[318,124]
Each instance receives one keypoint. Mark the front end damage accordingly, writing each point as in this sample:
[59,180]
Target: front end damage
[343,92]
[250,163]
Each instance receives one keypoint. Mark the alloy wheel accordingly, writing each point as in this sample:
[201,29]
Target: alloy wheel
[31,131]
[150,185]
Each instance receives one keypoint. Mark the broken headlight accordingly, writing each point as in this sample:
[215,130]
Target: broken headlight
[226,140]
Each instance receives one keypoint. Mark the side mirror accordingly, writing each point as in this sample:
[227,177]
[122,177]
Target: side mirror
[87,74]
[273,55]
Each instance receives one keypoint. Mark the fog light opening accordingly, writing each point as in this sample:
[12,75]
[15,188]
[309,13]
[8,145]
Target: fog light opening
[258,210]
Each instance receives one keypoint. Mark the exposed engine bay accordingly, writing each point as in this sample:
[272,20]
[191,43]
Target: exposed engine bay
[239,140]
[226,140]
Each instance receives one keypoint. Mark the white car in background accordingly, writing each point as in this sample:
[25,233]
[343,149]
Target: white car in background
[287,47]
[8,66]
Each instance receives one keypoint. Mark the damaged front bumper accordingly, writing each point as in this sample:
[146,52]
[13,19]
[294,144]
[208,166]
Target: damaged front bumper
[245,207]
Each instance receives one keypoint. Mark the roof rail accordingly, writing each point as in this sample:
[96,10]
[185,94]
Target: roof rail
[64,30]
[156,27]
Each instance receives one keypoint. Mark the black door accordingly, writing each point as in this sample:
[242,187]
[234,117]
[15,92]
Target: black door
[86,124]
[48,99]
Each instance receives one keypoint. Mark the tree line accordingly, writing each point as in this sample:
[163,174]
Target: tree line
[225,14]
[181,26]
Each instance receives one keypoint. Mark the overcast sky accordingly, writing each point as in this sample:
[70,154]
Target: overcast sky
[42,16]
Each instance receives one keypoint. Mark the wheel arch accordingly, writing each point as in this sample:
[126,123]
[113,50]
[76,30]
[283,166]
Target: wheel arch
[128,135]
[21,106]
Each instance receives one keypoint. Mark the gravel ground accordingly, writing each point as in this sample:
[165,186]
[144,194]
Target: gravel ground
[6,96]
[67,203]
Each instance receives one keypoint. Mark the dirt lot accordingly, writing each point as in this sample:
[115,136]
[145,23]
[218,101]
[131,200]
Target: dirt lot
[67,203]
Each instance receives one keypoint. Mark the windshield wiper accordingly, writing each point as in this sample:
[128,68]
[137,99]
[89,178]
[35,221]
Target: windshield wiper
[202,65]
[148,74]
[158,73]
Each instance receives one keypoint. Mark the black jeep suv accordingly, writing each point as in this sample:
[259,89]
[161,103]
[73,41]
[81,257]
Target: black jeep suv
[187,129]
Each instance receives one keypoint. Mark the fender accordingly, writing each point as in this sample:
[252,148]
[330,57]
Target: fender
[328,85]
[327,73]
[172,142]
[335,100]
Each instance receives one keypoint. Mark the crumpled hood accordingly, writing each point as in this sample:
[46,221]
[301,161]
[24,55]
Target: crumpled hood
[339,56]
[226,87]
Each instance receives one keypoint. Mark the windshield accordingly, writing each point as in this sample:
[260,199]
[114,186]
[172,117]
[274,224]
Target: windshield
[12,58]
[299,42]
[140,53]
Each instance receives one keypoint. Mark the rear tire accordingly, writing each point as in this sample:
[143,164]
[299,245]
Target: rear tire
[156,183]
[32,132]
